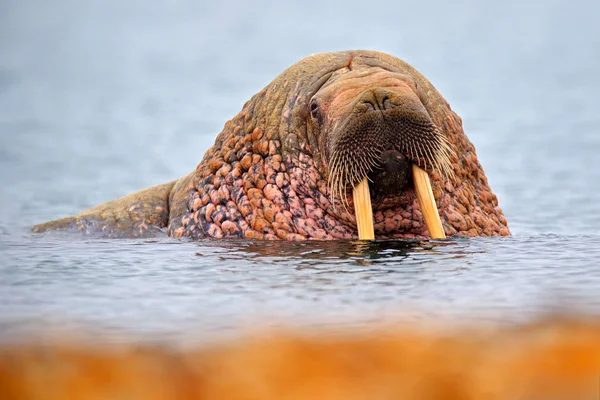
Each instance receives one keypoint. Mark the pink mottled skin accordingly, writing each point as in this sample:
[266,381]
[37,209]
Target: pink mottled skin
[266,176]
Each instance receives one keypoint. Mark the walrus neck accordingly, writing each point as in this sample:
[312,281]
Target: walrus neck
[242,187]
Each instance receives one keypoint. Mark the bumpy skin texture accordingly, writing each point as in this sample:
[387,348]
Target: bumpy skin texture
[265,177]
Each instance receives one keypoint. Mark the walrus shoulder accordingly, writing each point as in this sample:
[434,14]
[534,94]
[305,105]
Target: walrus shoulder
[140,214]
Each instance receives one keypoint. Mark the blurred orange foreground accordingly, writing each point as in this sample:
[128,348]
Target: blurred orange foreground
[543,361]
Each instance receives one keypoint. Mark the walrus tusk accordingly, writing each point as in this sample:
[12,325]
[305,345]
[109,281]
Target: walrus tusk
[363,210]
[427,203]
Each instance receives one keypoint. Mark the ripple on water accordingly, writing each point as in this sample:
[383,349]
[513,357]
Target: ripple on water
[168,287]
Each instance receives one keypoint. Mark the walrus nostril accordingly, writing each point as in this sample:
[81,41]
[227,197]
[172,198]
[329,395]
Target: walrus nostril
[370,105]
[386,103]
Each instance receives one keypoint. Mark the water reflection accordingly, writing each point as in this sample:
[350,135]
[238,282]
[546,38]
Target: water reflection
[324,254]
[219,284]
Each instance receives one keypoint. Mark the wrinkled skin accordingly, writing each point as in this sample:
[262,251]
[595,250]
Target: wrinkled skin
[268,174]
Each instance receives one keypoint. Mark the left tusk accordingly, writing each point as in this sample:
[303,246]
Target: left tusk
[427,203]
[363,210]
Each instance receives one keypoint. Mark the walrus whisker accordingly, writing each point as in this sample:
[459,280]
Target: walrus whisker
[443,154]
[332,182]
[347,169]
[340,182]
[412,149]
[431,158]
[344,185]
[334,178]
[333,168]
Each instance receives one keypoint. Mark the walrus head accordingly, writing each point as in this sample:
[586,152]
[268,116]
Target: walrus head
[286,165]
[373,124]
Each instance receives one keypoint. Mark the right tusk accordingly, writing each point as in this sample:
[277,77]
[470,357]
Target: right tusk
[427,203]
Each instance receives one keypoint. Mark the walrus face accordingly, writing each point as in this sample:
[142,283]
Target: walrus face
[373,124]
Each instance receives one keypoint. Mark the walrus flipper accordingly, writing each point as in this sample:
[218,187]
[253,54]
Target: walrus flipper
[144,213]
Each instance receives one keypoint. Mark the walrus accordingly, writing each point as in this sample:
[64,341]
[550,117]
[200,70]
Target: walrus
[285,167]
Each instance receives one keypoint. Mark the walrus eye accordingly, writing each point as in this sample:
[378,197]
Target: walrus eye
[314,109]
